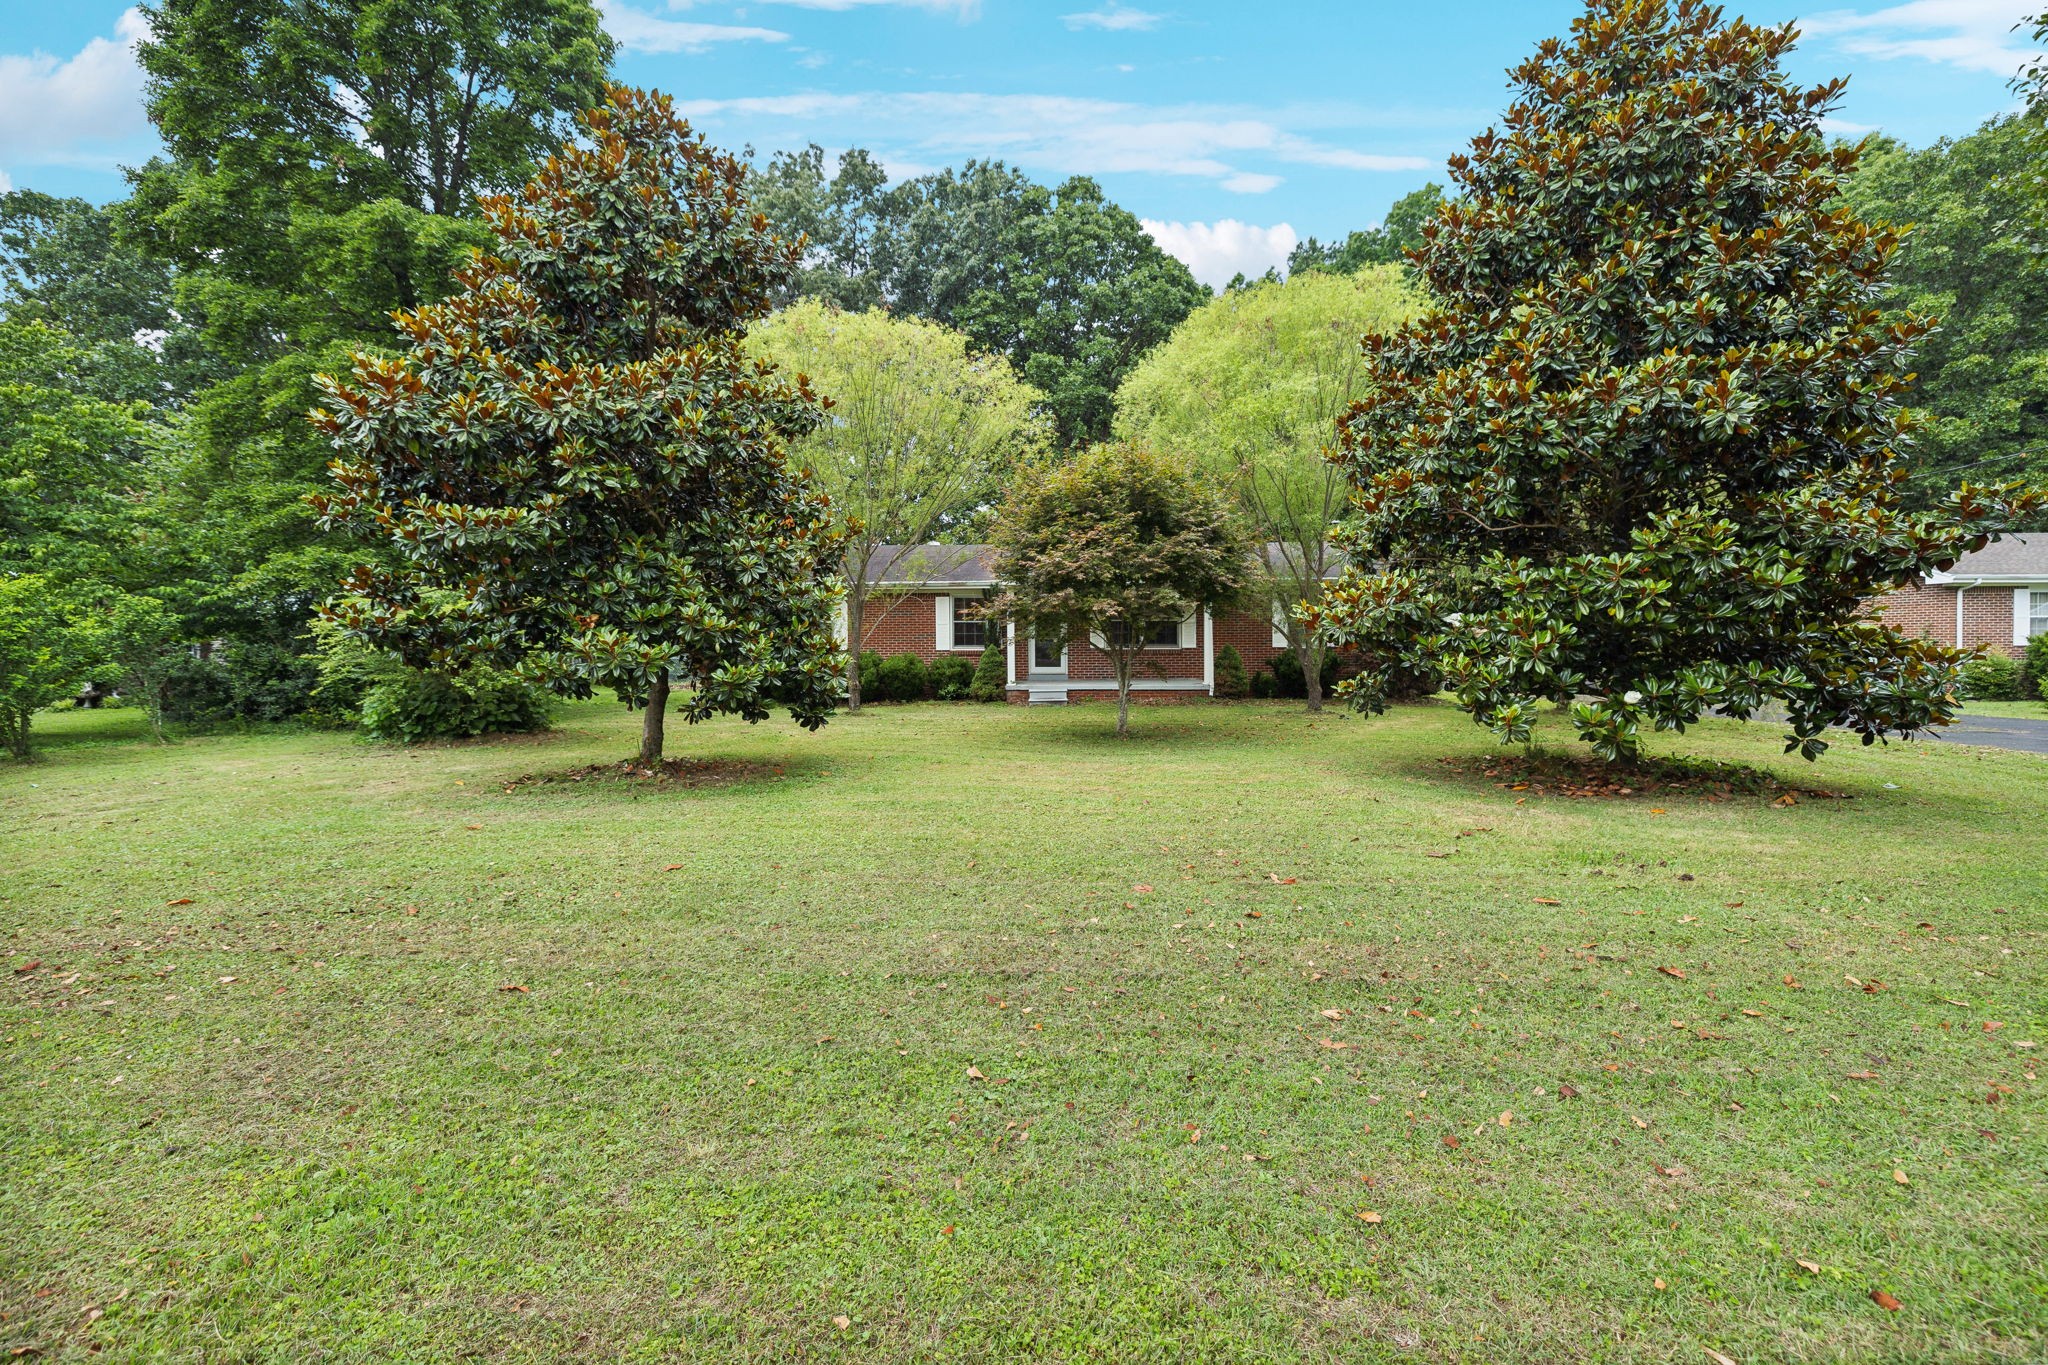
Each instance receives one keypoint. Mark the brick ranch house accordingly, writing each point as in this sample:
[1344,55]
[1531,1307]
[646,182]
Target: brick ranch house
[926,601]
[1997,597]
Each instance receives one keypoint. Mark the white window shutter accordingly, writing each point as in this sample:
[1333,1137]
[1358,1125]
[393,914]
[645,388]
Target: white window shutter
[1187,631]
[2022,604]
[839,625]
[1279,633]
[942,623]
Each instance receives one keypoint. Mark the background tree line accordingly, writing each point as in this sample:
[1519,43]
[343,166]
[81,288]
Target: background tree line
[320,172]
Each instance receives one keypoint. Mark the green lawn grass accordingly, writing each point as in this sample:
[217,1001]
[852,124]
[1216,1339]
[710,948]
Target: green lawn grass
[2028,710]
[958,1032]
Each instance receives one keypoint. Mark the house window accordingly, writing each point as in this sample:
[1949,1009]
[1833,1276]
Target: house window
[971,630]
[1158,635]
[2037,612]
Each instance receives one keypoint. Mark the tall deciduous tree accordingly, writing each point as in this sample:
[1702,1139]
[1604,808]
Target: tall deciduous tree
[1066,284]
[321,161]
[922,435]
[1109,544]
[1645,445]
[1972,258]
[49,645]
[579,468]
[1248,390]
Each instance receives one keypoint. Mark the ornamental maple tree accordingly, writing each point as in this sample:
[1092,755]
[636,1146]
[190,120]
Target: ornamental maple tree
[1643,449]
[1110,545]
[581,473]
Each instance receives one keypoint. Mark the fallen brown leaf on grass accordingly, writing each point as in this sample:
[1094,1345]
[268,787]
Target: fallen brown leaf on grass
[1335,1014]
[1793,984]
[1672,971]
[182,900]
[1332,1044]
[1368,1216]
[1810,1267]
[1547,900]
[842,1322]
[1754,1014]
[1143,888]
[1992,1026]
[1567,1092]
[673,867]
[25,968]
[1902,1177]
[974,1074]
[514,986]
[1505,1118]
[1279,880]
[1885,1301]
[1862,1075]
[1452,1141]
[1716,1356]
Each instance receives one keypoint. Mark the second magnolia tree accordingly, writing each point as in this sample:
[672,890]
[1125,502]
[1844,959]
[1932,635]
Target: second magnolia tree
[578,470]
[1642,453]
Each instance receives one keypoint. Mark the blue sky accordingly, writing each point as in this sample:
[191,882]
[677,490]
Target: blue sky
[1231,128]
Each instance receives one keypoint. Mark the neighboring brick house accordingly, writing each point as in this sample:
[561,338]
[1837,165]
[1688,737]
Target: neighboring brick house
[1997,597]
[926,601]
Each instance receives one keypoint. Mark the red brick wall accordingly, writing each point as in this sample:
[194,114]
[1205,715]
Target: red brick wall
[905,625]
[1251,633]
[1930,612]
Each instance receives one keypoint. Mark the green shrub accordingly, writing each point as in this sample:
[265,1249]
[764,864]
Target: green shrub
[2034,669]
[242,680]
[1991,677]
[870,675]
[951,677]
[1287,673]
[901,677]
[1264,685]
[991,674]
[418,705]
[1230,677]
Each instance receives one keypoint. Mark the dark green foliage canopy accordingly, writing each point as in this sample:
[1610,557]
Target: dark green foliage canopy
[1070,287]
[1972,259]
[1645,445]
[1387,244]
[577,467]
[320,158]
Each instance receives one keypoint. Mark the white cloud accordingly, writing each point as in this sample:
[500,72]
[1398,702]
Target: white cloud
[641,32]
[1976,35]
[1061,134]
[1217,251]
[1114,18]
[1251,182]
[6,183]
[77,110]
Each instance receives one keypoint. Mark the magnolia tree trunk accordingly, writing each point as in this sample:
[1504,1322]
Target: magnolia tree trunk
[652,723]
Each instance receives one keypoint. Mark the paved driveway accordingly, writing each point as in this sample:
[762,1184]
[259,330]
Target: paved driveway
[1997,732]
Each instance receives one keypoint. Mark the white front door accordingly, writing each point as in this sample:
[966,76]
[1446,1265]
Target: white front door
[1048,657]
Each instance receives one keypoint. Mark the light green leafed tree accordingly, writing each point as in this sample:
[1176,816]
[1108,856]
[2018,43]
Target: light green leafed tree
[1249,389]
[922,435]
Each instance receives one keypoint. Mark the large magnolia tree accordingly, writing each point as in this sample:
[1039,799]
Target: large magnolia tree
[921,438]
[1249,389]
[581,471]
[1111,543]
[1643,450]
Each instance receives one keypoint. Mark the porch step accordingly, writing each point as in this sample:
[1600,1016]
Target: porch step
[1045,693]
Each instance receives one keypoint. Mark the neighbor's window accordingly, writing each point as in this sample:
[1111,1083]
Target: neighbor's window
[1158,635]
[2037,613]
[970,628]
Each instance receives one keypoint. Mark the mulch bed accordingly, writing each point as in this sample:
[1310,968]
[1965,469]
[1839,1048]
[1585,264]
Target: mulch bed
[677,772]
[1577,779]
